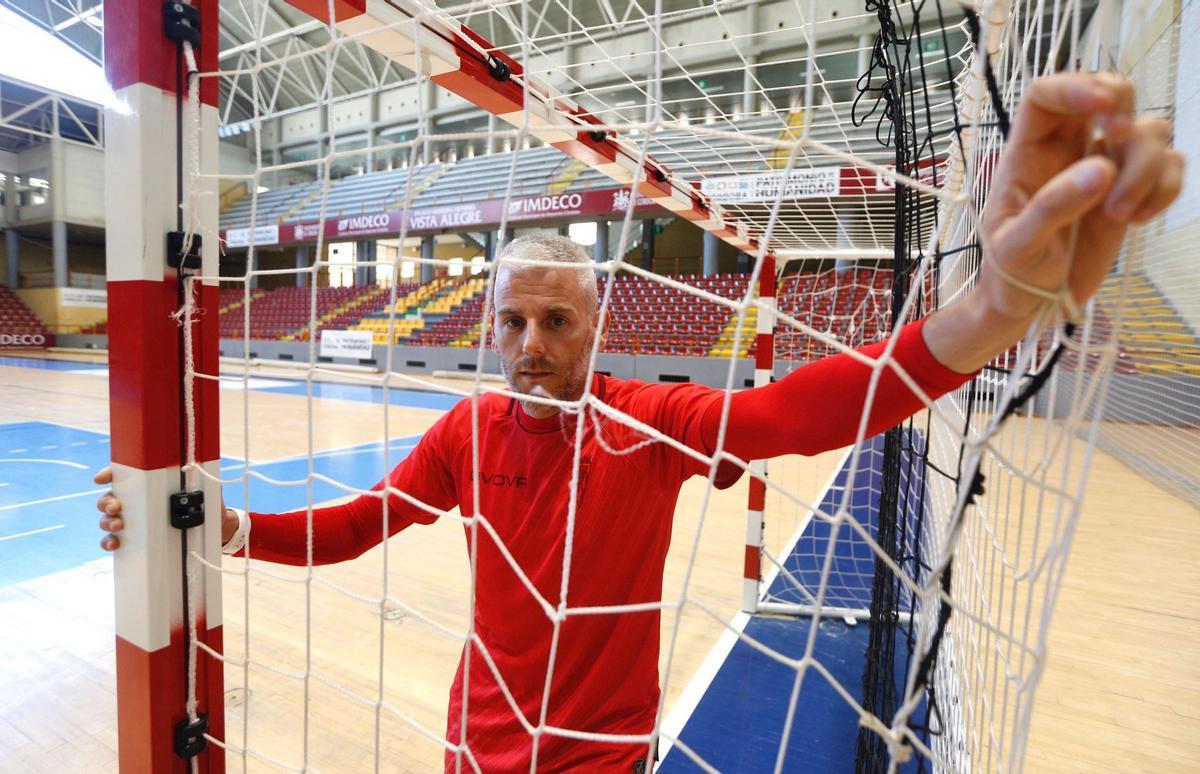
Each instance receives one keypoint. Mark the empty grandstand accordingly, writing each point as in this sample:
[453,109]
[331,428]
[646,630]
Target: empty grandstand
[19,326]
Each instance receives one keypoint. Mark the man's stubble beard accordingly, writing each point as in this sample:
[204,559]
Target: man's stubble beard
[573,382]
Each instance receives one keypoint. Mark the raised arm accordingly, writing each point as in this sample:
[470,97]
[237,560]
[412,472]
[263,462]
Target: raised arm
[1078,169]
[819,406]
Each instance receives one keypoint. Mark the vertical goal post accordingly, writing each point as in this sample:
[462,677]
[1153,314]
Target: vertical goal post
[165,620]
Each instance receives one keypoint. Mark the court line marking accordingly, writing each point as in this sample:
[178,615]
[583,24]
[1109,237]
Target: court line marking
[69,427]
[52,499]
[48,462]
[681,712]
[64,425]
[406,442]
[694,691]
[31,532]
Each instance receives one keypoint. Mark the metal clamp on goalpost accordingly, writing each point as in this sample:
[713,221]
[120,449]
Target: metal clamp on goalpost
[498,68]
[181,23]
[187,509]
[189,736]
[182,254]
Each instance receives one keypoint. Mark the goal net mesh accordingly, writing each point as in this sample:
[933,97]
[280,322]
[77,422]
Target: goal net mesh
[843,152]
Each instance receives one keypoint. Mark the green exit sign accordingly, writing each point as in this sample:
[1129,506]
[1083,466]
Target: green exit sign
[930,46]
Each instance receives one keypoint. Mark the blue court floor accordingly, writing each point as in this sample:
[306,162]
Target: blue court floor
[738,723]
[48,518]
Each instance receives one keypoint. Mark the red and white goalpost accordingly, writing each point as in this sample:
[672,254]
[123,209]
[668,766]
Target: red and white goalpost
[161,702]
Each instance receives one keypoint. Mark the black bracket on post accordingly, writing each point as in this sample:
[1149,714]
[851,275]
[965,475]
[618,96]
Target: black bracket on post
[189,736]
[187,509]
[176,258]
[181,23]
[498,68]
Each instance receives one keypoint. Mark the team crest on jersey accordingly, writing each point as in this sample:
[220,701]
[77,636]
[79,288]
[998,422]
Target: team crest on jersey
[585,464]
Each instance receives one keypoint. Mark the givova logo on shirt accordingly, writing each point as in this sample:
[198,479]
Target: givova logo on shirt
[500,479]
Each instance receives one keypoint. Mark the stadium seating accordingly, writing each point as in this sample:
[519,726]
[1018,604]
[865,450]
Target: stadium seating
[853,307]
[1152,337]
[417,306]
[16,318]
[452,315]
[365,194]
[353,195]
[269,207]
[647,317]
[653,319]
[545,169]
[283,313]
[487,177]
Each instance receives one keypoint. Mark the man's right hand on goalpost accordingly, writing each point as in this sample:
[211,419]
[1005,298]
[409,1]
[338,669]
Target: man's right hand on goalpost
[113,520]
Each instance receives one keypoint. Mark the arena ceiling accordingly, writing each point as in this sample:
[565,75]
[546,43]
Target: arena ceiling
[256,33]
[273,30]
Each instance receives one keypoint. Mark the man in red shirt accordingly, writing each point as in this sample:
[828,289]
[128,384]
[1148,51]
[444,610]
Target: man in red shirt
[574,500]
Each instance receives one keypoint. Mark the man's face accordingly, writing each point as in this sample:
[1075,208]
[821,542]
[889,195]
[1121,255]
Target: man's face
[542,329]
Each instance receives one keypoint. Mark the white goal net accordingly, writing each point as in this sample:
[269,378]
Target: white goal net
[829,161]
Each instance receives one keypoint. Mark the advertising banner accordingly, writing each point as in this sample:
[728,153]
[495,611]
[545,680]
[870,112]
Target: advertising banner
[25,340]
[263,235]
[816,183]
[447,217]
[355,344]
[93,299]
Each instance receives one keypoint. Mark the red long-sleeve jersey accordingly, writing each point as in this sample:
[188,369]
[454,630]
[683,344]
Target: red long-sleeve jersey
[604,678]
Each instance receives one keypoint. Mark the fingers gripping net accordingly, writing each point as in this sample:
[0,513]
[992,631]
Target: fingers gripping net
[852,170]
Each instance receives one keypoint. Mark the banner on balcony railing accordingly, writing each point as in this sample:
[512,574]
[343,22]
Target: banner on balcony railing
[445,217]
[815,183]
[801,184]
[14,340]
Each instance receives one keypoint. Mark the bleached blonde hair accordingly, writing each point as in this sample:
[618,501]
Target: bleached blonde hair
[554,248]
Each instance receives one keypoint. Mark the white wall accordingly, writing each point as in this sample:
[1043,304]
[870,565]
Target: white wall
[1170,261]
[83,200]
[235,159]
[1187,118]
[35,160]
[351,114]
[1164,71]
[302,125]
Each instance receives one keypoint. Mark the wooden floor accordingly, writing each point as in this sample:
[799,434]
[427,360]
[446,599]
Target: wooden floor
[1121,691]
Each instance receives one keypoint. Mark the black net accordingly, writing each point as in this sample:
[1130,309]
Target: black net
[897,92]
